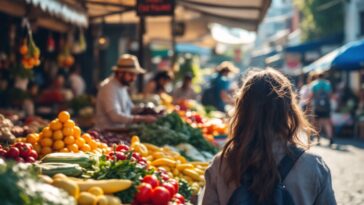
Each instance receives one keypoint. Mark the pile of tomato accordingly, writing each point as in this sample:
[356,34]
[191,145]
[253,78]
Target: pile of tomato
[20,152]
[158,191]
[123,152]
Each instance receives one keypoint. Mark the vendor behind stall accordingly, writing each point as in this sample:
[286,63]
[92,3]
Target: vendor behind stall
[114,108]
[157,85]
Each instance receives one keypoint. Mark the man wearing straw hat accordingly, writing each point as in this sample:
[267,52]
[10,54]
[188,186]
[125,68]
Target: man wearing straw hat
[114,107]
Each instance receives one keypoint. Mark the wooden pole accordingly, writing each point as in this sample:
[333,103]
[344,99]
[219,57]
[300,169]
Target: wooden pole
[140,82]
[173,33]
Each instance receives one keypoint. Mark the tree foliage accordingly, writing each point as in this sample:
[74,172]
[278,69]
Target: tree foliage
[320,18]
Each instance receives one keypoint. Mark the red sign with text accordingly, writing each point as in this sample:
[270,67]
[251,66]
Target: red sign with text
[155,7]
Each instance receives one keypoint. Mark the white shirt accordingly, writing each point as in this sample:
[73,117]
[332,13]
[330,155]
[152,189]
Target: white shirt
[77,84]
[113,105]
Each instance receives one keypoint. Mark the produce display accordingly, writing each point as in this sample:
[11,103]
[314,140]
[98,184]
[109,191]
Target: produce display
[93,169]
[5,130]
[20,152]
[62,135]
[20,185]
[172,130]
[175,165]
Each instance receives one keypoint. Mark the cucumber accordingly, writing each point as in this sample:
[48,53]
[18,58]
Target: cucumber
[81,159]
[50,169]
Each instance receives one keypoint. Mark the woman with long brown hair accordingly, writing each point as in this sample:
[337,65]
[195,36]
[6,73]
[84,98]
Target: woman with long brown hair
[266,122]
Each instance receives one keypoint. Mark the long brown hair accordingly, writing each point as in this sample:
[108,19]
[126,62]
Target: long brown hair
[266,112]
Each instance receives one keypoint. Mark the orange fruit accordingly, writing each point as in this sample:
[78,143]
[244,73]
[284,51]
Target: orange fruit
[46,150]
[47,132]
[76,131]
[73,147]
[87,137]
[69,123]
[59,144]
[55,125]
[86,148]
[58,135]
[64,116]
[69,140]
[37,148]
[67,131]
[104,145]
[32,138]
[64,149]
[46,142]
[92,144]
[80,141]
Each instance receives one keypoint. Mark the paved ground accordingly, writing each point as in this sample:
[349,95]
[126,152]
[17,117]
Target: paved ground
[346,161]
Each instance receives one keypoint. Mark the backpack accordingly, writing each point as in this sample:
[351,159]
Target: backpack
[321,101]
[281,196]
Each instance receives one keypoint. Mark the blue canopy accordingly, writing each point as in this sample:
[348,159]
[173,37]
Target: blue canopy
[348,58]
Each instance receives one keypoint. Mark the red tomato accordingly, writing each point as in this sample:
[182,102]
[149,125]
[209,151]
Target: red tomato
[30,159]
[19,159]
[33,154]
[164,177]
[152,180]
[2,153]
[175,184]
[13,152]
[170,188]
[122,147]
[144,193]
[120,156]
[179,198]
[160,196]
[136,156]
[25,150]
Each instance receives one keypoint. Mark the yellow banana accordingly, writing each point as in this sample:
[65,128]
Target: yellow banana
[192,173]
[164,161]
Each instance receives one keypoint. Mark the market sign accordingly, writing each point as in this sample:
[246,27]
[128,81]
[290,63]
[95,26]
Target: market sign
[155,7]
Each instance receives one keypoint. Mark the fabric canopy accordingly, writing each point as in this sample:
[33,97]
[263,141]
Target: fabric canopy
[348,57]
[196,14]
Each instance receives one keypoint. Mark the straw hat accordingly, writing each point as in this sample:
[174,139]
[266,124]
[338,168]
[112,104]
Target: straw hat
[227,65]
[128,63]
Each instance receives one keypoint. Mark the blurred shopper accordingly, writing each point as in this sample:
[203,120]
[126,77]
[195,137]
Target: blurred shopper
[57,94]
[321,94]
[157,85]
[77,83]
[305,93]
[114,107]
[185,91]
[266,130]
[217,95]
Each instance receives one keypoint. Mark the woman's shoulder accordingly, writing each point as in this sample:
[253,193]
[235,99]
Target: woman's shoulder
[313,164]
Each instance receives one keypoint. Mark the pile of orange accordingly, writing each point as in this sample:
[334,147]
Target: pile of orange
[62,135]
